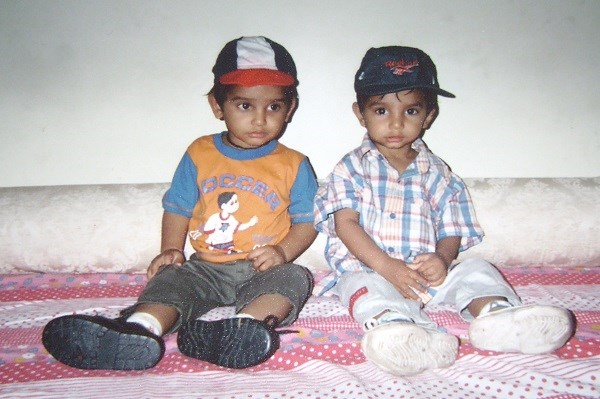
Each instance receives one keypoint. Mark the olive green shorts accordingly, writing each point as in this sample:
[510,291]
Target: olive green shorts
[199,286]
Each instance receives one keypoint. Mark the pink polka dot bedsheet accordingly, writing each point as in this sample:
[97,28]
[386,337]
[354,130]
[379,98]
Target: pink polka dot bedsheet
[322,360]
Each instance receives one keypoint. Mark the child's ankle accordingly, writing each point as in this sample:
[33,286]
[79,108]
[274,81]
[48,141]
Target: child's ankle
[148,321]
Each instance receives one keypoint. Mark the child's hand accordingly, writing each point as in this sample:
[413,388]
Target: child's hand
[430,266]
[167,257]
[266,257]
[403,278]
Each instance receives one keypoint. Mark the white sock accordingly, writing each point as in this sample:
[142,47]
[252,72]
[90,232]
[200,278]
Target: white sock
[494,306]
[244,315]
[147,321]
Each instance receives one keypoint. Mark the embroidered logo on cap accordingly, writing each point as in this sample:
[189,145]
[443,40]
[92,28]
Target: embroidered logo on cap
[401,67]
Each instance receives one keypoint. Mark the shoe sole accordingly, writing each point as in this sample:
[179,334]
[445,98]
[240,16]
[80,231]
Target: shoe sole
[406,349]
[81,342]
[529,329]
[233,343]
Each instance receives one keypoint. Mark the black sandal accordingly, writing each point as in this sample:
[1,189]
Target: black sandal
[99,343]
[236,343]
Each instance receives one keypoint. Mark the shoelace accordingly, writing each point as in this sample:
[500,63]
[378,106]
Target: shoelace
[271,322]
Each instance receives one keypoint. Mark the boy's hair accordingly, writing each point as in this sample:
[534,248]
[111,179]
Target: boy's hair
[431,99]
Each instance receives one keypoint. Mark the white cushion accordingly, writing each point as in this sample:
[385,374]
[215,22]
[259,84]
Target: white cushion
[538,222]
[116,228]
[78,229]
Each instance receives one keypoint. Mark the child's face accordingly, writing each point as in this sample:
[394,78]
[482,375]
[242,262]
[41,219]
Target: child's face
[253,115]
[395,120]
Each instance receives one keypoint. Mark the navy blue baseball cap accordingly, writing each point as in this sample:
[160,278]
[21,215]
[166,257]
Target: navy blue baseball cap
[395,68]
[253,61]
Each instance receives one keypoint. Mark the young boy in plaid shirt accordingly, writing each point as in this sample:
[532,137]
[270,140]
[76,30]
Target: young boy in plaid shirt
[396,218]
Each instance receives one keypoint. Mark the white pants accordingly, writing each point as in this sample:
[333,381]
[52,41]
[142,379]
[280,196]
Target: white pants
[367,294]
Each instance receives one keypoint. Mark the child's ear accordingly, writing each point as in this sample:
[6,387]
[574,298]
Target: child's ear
[216,108]
[293,107]
[358,114]
[431,115]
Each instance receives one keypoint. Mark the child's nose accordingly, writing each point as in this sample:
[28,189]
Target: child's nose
[397,121]
[259,117]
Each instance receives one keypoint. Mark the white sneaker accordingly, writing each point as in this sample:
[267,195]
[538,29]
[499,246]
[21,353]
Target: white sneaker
[405,348]
[531,329]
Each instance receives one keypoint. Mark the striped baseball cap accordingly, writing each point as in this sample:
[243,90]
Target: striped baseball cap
[253,61]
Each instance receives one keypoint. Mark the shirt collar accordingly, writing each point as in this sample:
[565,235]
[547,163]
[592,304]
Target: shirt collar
[422,162]
[242,154]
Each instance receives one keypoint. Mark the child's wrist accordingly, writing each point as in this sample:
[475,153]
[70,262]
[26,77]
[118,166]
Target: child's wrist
[443,259]
[176,250]
[281,252]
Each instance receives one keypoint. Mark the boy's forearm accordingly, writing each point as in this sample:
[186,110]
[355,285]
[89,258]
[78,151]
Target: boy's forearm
[297,240]
[447,248]
[356,239]
[174,231]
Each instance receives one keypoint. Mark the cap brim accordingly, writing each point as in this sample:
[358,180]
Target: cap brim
[257,77]
[385,89]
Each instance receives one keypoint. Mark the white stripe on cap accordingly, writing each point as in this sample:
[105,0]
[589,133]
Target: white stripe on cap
[255,53]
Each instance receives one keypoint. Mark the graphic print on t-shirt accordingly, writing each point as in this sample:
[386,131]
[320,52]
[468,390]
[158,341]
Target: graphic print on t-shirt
[221,227]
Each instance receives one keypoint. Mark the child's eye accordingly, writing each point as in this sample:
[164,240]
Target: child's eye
[244,106]
[412,111]
[275,107]
[380,111]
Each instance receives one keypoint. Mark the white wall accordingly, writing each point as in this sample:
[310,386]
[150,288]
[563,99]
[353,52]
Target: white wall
[113,91]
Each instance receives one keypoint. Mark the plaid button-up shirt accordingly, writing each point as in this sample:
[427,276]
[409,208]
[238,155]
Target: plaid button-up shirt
[406,213]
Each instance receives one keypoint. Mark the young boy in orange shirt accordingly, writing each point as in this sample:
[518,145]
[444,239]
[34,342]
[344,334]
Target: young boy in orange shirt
[245,200]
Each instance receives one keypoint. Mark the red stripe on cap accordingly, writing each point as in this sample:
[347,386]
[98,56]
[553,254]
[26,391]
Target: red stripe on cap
[257,77]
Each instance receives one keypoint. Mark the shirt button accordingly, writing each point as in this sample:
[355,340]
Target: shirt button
[393,216]
[391,250]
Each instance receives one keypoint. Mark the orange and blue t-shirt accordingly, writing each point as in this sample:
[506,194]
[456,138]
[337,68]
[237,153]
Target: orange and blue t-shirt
[240,199]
